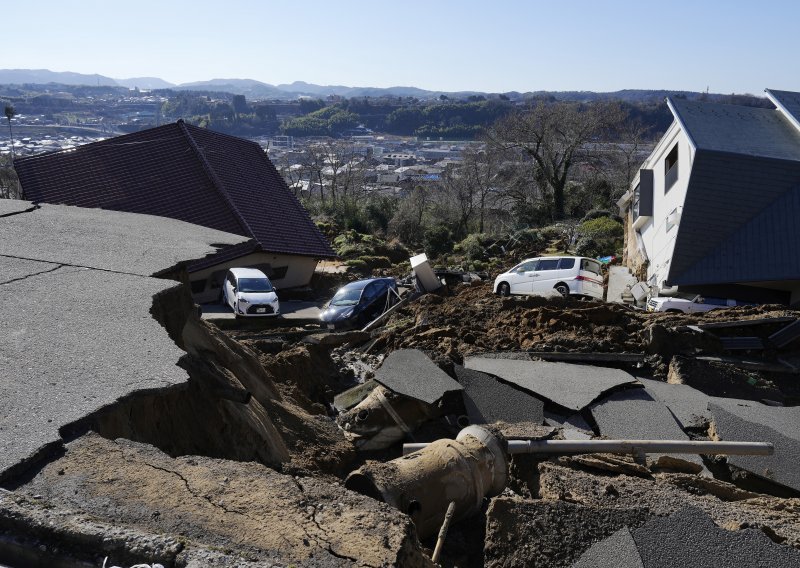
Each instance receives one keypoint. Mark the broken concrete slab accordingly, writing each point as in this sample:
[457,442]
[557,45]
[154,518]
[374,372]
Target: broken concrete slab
[411,373]
[687,404]
[107,240]
[617,551]
[78,339]
[546,533]
[634,415]
[70,353]
[245,508]
[690,538]
[761,423]
[568,385]
[488,400]
[573,422]
[666,493]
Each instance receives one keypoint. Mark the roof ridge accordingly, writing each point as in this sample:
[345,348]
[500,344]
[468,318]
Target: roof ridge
[216,182]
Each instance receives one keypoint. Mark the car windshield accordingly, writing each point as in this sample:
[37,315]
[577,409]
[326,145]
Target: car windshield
[255,285]
[346,297]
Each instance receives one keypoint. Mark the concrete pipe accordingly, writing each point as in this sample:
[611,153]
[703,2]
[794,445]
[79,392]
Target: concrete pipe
[464,470]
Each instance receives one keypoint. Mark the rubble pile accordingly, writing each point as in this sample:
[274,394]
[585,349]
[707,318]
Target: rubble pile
[162,439]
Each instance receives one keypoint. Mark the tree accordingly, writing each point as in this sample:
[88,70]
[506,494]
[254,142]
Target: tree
[552,136]
[10,112]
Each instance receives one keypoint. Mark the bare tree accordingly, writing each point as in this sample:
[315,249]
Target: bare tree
[337,166]
[467,188]
[552,136]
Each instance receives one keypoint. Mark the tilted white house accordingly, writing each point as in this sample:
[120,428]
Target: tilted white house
[715,208]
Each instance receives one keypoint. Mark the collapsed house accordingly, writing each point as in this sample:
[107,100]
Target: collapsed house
[714,208]
[195,175]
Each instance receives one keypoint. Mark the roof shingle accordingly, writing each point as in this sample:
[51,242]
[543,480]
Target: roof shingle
[183,172]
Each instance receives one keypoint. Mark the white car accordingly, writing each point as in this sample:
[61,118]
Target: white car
[567,275]
[692,305]
[248,292]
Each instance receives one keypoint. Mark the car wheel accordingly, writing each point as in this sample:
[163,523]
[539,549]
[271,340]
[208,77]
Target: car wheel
[673,311]
[504,289]
[562,289]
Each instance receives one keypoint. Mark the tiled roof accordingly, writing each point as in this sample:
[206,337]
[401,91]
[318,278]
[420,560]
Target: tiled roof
[182,172]
[738,129]
[789,100]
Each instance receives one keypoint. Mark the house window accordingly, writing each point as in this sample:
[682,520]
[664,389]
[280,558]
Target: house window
[671,168]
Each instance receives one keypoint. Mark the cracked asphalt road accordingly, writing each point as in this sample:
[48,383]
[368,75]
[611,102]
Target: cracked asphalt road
[76,289]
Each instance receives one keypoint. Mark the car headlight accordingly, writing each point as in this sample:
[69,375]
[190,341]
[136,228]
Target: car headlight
[243,301]
[348,313]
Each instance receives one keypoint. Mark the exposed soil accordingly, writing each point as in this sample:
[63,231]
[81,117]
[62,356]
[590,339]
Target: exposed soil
[244,508]
[245,464]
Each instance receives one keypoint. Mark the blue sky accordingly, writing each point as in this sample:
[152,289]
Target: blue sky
[726,46]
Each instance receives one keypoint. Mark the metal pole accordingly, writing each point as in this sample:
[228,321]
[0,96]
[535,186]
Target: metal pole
[628,447]
[448,516]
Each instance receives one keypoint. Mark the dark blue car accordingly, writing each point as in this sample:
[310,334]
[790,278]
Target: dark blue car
[358,303]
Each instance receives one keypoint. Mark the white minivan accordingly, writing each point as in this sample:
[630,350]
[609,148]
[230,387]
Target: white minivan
[567,275]
[248,292]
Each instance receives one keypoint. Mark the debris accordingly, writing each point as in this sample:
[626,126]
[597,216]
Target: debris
[423,484]
[546,533]
[351,397]
[383,418]
[689,538]
[425,277]
[411,373]
[571,386]
[750,421]
[488,400]
[448,517]
[633,413]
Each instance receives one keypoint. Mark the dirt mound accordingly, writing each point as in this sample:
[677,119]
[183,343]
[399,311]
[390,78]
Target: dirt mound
[474,320]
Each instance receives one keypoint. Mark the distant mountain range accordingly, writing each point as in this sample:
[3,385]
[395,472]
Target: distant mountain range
[254,90]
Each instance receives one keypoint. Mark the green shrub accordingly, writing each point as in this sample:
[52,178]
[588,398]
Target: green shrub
[599,236]
[472,247]
[438,240]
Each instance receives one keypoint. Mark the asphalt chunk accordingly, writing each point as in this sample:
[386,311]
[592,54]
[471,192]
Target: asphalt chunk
[634,415]
[411,373]
[617,551]
[690,538]
[568,385]
[753,422]
[488,400]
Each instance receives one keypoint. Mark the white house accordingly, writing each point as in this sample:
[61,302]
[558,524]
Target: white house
[715,208]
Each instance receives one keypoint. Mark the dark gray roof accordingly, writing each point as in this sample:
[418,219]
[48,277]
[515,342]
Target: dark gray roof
[789,100]
[738,129]
[739,221]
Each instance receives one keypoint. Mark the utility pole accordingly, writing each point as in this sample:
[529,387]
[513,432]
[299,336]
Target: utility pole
[10,112]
